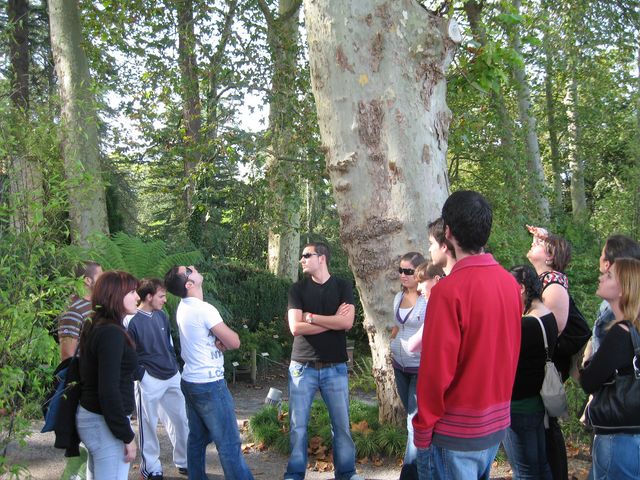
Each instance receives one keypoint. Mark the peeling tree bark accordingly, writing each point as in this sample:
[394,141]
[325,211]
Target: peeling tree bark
[87,203]
[378,77]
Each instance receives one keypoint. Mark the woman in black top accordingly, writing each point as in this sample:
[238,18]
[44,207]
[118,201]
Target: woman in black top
[525,443]
[616,450]
[107,362]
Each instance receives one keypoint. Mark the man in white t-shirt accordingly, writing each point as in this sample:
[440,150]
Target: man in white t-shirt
[210,408]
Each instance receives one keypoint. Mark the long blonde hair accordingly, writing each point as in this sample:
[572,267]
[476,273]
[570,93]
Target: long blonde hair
[628,274]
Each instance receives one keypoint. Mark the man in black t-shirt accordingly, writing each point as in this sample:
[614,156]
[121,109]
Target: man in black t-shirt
[320,311]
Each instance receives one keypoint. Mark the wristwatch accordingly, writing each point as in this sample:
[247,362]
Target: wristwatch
[310,318]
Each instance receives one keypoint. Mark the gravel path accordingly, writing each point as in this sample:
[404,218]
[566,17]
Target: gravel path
[47,463]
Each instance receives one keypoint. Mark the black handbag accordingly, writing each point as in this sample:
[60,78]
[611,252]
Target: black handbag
[617,404]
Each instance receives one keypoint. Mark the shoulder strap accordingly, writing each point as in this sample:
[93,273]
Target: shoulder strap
[544,337]
[635,340]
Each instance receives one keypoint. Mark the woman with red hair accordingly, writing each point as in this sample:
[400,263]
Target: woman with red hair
[107,362]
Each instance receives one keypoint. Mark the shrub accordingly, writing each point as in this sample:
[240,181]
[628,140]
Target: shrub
[370,438]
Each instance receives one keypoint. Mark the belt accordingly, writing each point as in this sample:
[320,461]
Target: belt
[318,365]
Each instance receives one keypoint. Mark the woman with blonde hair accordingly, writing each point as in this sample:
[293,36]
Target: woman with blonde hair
[616,449]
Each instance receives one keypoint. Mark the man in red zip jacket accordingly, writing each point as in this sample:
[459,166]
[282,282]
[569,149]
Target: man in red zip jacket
[470,349]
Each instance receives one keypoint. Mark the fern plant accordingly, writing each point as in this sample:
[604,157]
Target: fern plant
[142,259]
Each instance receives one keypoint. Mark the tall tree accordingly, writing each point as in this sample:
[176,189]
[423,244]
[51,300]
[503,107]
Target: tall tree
[537,183]
[190,90]
[505,126]
[25,173]
[576,161]
[284,233]
[385,143]
[80,149]
[552,126]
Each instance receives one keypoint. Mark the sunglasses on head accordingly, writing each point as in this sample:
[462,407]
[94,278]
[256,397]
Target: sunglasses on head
[308,255]
[406,271]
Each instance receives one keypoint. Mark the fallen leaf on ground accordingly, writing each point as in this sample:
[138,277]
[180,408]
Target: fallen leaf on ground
[323,466]
[363,461]
[362,427]
[377,462]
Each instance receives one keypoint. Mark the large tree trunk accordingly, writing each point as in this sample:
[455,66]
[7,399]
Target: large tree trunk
[505,126]
[284,232]
[576,163]
[191,111]
[378,77]
[87,204]
[25,174]
[537,185]
[552,128]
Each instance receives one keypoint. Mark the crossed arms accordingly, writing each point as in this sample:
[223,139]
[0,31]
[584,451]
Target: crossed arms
[341,320]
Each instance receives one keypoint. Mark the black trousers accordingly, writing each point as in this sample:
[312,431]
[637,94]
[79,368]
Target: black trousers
[556,451]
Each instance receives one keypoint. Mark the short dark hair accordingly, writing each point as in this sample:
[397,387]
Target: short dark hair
[149,286]
[86,269]
[618,246]
[436,230]
[560,251]
[469,218]
[526,276]
[175,282]
[321,248]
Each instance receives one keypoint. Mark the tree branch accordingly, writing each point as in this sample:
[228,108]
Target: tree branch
[265,11]
[292,11]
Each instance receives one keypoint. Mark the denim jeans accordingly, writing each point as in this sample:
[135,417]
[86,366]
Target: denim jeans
[616,457]
[406,385]
[333,384]
[436,463]
[525,445]
[105,458]
[212,418]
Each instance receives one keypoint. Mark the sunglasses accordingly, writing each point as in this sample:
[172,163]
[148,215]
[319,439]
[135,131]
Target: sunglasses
[308,255]
[187,272]
[406,271]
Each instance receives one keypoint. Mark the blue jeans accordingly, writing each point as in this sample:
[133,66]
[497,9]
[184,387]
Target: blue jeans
[525,445]
[333,384]
[406,385]
[616,457]
[212,418]
[105,458]
[436,463]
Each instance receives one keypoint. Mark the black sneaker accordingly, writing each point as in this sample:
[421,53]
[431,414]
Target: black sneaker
[155,476]
[183,471]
